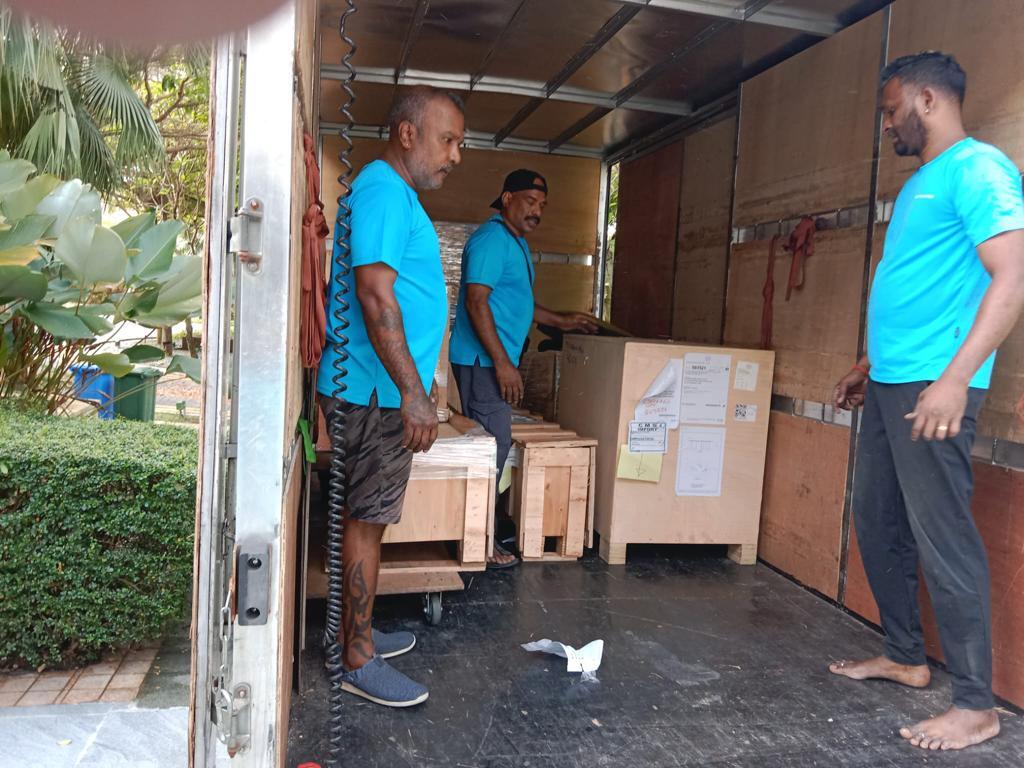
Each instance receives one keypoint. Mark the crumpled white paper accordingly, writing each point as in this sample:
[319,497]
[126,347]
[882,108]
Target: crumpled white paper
[661,400]
[585,660]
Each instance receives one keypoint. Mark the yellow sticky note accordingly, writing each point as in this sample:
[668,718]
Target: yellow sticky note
[645,467]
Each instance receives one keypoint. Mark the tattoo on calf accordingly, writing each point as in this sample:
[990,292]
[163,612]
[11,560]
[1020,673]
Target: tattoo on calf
[358,608]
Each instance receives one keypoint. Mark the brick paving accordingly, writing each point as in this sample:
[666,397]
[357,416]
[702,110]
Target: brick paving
[117,678]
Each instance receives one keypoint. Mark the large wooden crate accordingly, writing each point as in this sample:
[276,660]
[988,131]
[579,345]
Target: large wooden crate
[602,380]
[552,494]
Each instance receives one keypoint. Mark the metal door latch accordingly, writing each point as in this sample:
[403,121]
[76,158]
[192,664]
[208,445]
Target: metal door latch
[247,234]
[232,712]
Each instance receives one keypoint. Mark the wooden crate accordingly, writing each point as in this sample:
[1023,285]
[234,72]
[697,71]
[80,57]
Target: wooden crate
[552,493]
[540,383]
[602,380]
[449,505]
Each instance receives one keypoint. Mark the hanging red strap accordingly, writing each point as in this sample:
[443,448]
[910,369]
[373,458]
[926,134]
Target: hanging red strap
[768,292]
[313,321]
[801,245]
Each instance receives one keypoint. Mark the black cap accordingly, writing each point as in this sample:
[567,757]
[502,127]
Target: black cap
[519,181]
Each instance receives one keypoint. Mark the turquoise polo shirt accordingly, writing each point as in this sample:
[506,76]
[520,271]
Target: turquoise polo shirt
[930,282]
[495,257]
[389,226]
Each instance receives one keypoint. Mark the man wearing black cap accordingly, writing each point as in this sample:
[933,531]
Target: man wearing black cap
[495,310]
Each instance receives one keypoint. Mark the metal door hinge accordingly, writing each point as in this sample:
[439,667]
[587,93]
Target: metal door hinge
[246,228]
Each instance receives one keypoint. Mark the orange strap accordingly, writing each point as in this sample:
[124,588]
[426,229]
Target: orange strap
[801,245]
[313,318]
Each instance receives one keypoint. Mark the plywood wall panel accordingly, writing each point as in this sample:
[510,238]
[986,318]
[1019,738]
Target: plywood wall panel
[815,332]
[570,220]
[704,233]
[645,242]
[804,491]
[998,499]
[985,38]
[807,127]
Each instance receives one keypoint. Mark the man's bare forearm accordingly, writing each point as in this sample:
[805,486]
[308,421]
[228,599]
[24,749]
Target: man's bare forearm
[545,316]
[482,320]
[1000,309]
[384,326]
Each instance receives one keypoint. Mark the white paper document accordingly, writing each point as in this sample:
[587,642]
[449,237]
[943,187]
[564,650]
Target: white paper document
[701,460]
[586,660]
[661,401]
[746,376]
[648,437]
[705,388]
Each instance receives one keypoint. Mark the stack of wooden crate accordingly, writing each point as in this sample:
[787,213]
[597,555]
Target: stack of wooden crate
[552,494]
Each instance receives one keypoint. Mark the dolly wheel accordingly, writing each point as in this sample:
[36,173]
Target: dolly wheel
[432,608]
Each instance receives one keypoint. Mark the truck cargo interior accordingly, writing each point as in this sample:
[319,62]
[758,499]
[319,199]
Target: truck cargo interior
[720,188]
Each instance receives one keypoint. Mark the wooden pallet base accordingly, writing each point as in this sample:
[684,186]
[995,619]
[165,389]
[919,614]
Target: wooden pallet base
[404,569]
[614,552]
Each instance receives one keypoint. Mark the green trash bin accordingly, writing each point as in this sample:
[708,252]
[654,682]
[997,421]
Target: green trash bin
[135,394]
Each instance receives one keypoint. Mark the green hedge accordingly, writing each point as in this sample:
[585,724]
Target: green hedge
[96,531]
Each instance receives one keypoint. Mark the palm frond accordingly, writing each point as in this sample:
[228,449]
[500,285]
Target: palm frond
[98,164]
[104,87]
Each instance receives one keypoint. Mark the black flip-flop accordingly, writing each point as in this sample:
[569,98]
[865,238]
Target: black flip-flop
[500,550]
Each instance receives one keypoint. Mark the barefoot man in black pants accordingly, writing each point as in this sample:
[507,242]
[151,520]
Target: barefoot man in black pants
[948,290]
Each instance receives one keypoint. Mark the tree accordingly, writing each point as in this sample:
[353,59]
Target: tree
[68,106]
[175,87]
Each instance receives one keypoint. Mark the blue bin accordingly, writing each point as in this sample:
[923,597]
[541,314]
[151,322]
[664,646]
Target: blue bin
[95,386]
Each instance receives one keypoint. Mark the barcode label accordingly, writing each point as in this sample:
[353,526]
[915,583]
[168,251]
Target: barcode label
[745,412]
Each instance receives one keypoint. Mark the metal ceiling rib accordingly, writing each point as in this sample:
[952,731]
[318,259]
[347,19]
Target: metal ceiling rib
[668,56]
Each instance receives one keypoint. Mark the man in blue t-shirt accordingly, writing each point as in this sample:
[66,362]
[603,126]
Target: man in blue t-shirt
[948,290]
[380,383]
[494,313]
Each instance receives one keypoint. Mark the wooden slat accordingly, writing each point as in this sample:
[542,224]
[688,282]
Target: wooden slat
[704,233]
[815,332]
[645,242]
[531,519]
[556,501]
[804,494]
[559,457]
[576,519]
[807,128]
[479,507]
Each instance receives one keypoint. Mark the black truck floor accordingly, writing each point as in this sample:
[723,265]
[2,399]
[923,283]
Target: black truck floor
[706,663]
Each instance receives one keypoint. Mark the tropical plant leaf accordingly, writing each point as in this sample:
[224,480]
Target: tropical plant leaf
[179,297]
[58,321]
[21,202]
[14,174]
[97,161]
[21,255]
[190,366]
[144,353]
[21,283]
[141,301]
[130,230]
[156,250]
[26,231]
[97,317]
[72,199]
[116,364]
[93,254]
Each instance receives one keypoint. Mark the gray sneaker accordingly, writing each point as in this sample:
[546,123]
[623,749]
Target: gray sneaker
[391,644]
[382,684]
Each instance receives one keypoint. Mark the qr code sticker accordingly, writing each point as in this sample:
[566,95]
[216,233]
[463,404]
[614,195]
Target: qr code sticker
[745,412]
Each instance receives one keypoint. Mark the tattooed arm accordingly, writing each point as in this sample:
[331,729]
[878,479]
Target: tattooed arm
[375,289]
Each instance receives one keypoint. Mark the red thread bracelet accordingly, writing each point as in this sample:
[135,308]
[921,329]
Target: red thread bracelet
[862,369]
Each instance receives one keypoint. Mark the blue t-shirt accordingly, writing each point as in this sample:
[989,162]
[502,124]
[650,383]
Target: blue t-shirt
[930,281]
[498,259]
[389,226]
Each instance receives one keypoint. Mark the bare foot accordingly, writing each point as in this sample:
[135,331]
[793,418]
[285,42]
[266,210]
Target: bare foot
[504,559]
[954,729]
[882,668]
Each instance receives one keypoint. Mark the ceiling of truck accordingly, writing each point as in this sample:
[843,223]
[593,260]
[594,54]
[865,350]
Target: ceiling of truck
[579,77]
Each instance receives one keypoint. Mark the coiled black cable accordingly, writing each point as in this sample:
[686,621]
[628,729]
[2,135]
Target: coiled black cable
[337,491]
